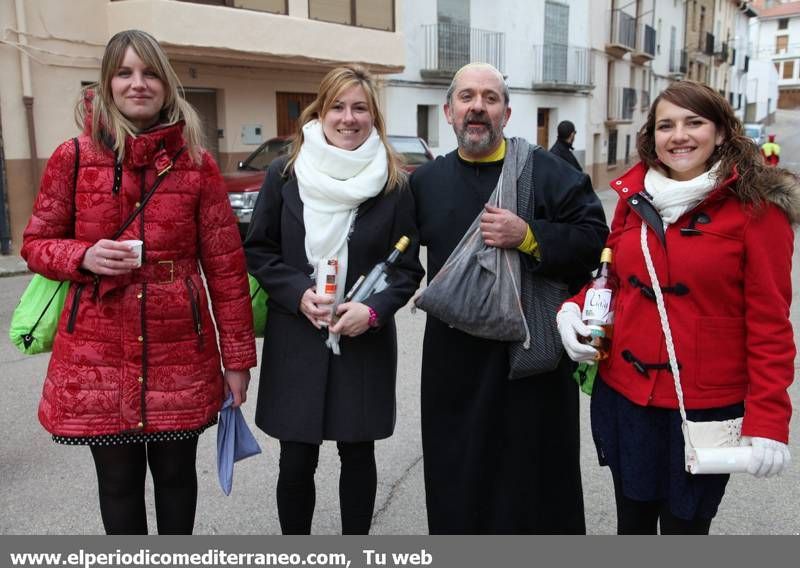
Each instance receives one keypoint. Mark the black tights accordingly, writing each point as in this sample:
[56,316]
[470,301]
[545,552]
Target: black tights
[296,493]
[121,471]
[644,517]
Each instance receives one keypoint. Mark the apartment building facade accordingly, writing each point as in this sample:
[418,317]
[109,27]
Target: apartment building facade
[731,52]
[699,39]
[626,44]
[776,38]
[539,45]
[249,67]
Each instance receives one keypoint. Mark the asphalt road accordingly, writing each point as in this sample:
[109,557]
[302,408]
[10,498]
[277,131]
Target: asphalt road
[51,489]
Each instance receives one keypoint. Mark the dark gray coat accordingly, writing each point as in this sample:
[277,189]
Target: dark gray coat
[307,394]
[564,151]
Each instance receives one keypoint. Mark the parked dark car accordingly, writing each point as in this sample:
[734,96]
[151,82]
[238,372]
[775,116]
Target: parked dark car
[243,184]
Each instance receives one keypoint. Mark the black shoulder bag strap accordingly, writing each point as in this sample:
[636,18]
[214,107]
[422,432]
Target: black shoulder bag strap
[75,181]
[131,218]
[161,175]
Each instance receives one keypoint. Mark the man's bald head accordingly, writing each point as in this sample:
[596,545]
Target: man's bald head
[483,67]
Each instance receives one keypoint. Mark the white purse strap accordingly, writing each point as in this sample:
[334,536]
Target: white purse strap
[662,313]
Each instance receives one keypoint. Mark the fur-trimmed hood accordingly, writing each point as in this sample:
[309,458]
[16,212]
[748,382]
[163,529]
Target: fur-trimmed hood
[786,196]
[785,193]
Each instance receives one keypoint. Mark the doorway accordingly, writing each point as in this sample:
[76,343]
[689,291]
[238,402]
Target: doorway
[204,102]
[542,127]
[288,107]
[597,155]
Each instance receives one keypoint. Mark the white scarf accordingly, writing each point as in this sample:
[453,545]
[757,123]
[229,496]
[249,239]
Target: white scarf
[332,183]
[673,198]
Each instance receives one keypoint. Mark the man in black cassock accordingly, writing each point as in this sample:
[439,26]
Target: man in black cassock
[501,456]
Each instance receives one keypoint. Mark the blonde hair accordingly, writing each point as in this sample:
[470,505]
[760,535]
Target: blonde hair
[333,85]
[106,118]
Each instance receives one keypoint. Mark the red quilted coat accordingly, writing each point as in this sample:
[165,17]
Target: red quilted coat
[138,353]
[725,271]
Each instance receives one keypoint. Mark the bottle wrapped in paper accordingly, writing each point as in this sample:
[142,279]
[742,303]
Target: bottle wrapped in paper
[327,279]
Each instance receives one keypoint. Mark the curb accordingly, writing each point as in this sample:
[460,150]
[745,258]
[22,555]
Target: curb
[12,266]
[14,272]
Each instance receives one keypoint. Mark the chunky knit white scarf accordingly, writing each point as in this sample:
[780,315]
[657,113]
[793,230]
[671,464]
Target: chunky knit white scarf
[673,198]
[333,182]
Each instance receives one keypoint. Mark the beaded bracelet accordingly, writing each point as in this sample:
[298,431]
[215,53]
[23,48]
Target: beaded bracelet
[373,317]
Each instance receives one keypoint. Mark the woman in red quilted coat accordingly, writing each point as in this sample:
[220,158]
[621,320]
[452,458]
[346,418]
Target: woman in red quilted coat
[705,226]
[135,372]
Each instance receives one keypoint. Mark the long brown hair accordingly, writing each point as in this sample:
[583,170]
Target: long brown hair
[333,85]
[737,152]
[107,118]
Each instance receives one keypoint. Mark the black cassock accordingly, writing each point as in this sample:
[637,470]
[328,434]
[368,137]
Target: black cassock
[502,456]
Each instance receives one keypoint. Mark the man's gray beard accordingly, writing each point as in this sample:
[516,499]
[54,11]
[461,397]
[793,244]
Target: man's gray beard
[484,143]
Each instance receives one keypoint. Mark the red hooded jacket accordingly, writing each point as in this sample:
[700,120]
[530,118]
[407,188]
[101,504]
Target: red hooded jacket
[139,352]
[726,274]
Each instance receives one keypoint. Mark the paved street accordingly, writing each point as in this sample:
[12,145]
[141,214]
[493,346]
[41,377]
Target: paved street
[51,489]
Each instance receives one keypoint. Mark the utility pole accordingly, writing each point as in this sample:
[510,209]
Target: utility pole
[5,232]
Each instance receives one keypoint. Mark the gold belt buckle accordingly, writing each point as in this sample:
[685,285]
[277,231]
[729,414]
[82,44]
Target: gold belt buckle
[171,271]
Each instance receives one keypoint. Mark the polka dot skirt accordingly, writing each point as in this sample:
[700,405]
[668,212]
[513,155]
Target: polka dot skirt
[132,438]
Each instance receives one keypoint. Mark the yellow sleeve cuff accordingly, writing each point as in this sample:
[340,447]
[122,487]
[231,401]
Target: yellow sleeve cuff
[529,244]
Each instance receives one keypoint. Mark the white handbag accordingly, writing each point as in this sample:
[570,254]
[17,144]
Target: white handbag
[709,447]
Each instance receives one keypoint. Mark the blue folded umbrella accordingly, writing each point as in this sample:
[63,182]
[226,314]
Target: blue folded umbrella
[235,442]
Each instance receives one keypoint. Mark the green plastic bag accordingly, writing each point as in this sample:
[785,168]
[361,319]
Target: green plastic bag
[35,320]
[584,375]
[258,300]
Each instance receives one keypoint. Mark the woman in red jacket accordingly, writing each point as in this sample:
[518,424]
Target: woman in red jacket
[135,372]
[718,226]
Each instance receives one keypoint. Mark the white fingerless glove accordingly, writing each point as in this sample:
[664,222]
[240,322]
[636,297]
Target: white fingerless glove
[571,328]
[769,457]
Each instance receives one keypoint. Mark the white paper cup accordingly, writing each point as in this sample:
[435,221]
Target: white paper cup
[136,246]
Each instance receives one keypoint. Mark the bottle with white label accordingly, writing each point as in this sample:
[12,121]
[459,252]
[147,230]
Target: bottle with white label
[598,308]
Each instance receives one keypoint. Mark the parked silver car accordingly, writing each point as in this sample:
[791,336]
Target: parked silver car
[756,132]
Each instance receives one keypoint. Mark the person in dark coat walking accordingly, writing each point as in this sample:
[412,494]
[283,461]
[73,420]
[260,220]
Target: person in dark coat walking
[563,146]
[340,194]
[500,456]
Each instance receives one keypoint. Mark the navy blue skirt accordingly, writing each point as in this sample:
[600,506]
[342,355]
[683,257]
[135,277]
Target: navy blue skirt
[643,446]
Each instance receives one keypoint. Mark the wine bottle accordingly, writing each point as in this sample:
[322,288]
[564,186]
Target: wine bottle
[378,278]
[598,307]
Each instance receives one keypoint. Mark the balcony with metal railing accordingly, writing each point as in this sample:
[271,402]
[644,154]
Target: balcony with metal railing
[707,47]
[621,105]
[448,47]
[721,51]
[563,68]
[644,100]
[678,63]
[645,45]
[621,37]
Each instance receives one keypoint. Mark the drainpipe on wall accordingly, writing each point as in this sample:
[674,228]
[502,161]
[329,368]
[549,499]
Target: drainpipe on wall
[5,229]
[27,89]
